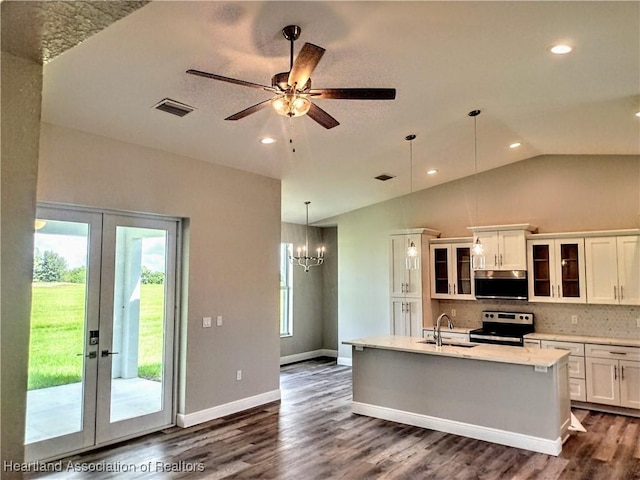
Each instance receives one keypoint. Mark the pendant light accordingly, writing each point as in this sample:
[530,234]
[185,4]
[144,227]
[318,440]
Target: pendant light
[477,251]
[412,259]
[303,259]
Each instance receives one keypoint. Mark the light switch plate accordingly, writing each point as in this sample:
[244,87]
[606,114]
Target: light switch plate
[206,322]
[219,320]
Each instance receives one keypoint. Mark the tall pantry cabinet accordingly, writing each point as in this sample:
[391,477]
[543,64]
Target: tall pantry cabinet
[409,288]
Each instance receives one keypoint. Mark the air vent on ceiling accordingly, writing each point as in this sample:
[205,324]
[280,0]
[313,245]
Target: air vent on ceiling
[384,177]
[173,107]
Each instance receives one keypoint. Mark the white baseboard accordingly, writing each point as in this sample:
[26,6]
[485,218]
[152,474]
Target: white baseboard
[502,437]
[202,416]
[299,357]
[348,361]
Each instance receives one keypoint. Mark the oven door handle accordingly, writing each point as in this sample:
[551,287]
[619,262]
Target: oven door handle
[494,337]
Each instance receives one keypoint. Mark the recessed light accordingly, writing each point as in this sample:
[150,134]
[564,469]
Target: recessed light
[515,144]
[638,114]
[267,140]
[433,171]
[561,49]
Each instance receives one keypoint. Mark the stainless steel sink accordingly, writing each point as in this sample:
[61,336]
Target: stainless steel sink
[449,343]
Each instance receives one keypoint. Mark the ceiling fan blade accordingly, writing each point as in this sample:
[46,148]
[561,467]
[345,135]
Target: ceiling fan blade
[304,65]
[322,117]
[354,93]
[250,110]
[213,76]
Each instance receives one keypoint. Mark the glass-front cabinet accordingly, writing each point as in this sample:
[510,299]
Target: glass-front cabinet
[556,270]
[451,267]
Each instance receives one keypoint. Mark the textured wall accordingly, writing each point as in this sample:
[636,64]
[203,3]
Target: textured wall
[21,97]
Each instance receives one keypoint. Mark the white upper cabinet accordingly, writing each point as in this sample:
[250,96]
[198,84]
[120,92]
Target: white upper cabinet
[557,270]
[613,270]
[505,247]
[451,271]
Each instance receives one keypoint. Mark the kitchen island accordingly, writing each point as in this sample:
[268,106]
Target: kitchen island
[515,396]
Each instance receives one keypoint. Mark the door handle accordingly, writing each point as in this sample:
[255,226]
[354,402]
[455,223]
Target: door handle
[89,355]
[106,353]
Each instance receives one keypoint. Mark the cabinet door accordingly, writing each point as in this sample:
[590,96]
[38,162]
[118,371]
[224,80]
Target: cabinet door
[489,242]
[541,254]
[512,250]
[602,270]
[398,265]
[570,270]
[398,308]
[629,384]
[629,270]
[602,381]
[441,284]
[461,269]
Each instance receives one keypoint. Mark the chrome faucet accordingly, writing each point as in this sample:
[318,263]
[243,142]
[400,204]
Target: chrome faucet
[437,336]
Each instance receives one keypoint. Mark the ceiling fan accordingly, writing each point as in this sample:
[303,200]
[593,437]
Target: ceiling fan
[292,89]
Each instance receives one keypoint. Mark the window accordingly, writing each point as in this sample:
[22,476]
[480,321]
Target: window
[286,290]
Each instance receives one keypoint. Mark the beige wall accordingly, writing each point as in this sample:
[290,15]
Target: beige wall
[232,239]
[21,98]
[555,193]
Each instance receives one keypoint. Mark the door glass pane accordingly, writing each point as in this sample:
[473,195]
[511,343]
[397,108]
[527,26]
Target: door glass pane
[441,267]
[541,271]
[138,322]
[570,272]
[463,270]
[58,317]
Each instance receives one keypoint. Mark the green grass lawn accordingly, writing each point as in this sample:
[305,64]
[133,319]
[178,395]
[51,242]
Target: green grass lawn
[57,334]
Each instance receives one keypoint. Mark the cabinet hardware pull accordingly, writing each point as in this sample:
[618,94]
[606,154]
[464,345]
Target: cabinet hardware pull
[615,372]
[454,289]
[621,292]
[495,260]
[449,288]
[615,292]
[553,291]
[622,373]
[618,353]
[500,259]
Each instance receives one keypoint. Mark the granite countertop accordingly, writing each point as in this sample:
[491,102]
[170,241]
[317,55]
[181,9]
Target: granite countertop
[562,337]
[484,352]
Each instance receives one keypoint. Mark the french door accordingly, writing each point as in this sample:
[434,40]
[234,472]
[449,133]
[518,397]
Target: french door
[101,355]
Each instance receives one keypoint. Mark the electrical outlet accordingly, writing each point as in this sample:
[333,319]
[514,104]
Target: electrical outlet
[453,312]
[219,320]
[239,375]
[206,322]
[574,319]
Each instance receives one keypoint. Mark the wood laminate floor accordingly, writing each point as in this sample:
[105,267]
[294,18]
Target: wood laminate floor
[311,434]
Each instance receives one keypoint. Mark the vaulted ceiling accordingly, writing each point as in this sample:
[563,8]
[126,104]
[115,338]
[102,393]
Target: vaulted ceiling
[444,58]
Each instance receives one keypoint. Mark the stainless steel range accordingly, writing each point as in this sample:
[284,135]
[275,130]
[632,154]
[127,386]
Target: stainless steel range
[503,328]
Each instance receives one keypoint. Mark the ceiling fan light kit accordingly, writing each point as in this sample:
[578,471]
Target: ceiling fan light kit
[292,90]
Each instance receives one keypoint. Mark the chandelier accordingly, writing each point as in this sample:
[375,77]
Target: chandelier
[302,259]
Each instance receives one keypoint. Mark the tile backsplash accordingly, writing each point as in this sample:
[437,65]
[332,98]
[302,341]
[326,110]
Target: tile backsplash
[593,320]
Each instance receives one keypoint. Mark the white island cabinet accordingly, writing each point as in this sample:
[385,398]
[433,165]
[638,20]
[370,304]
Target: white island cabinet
[513,396]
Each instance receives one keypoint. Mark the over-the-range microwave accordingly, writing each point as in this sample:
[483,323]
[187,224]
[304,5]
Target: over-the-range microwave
[501,284]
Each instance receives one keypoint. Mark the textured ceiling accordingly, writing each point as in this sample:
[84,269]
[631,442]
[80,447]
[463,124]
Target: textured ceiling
[40,31]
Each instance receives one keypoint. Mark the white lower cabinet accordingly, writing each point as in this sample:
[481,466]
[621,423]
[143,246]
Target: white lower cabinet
[406,317]
[613,375]
[577,384]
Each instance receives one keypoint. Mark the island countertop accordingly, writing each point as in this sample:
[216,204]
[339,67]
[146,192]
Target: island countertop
[485,352]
